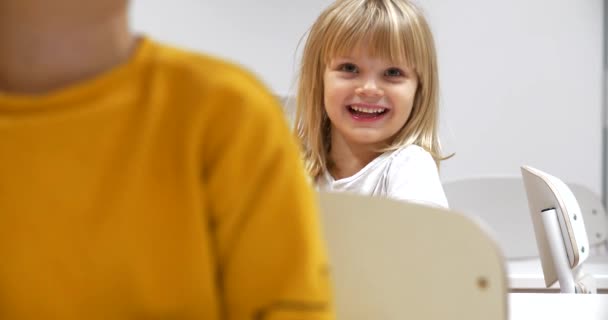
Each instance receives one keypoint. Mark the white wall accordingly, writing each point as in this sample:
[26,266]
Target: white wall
[262,35]
[521,80]
[521,85]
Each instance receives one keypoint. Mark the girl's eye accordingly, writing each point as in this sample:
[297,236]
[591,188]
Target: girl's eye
[348,67]
[393,72]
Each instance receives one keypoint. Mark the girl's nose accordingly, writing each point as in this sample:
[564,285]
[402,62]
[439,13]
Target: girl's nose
[369,90]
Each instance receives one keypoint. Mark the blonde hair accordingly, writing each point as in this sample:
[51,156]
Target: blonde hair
[394,30]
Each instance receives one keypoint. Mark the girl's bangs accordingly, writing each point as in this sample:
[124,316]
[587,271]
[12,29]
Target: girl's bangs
[383,33]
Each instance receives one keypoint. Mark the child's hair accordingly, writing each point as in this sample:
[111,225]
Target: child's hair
[394,30]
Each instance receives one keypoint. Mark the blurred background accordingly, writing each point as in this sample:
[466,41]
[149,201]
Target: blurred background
[522,82]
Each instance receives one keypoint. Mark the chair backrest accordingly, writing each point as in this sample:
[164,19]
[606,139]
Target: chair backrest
[560,231]
[394,260]
[501,203]
[595,216]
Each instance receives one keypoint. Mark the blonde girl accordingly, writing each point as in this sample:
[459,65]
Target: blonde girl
[367,102]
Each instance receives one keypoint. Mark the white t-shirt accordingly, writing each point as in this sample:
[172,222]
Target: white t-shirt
[408,173]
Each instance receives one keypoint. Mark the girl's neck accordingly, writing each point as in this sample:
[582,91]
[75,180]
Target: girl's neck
[347,158]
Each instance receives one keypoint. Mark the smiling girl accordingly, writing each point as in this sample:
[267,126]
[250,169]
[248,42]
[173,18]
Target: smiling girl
[367,104]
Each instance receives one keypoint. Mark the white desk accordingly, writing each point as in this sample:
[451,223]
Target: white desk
[558,306]
[527,275]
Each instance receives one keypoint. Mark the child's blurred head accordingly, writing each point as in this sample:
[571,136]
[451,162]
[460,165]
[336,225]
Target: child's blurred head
[50,44]
[64,8]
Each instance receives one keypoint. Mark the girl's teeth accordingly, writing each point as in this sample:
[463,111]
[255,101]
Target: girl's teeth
[367,110]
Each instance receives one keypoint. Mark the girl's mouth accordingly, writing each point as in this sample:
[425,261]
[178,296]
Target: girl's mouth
[367,112]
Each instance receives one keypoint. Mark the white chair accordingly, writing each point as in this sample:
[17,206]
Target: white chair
[501,203]
[596,218]
[560,231]
[394,260]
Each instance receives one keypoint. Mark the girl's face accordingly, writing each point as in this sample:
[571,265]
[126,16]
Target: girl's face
[368,100]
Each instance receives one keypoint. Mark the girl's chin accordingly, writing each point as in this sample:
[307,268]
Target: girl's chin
[370,140]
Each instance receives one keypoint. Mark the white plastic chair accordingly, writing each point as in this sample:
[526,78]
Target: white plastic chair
[501,203]
[596,218]
[560,231]
[394,260]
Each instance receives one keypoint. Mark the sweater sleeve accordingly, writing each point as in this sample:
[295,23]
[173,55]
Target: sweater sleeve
[264,223]
[413,176]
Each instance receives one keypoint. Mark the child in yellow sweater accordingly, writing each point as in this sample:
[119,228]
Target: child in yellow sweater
[138,181]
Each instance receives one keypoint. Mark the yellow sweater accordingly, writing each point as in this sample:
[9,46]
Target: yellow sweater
[166,188]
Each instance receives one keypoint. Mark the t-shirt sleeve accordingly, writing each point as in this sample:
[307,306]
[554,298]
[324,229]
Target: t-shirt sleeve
[270,257]
[413,176]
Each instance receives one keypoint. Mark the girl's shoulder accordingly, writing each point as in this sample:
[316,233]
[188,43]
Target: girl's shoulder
[413,176]
[411,153]
[412,160]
